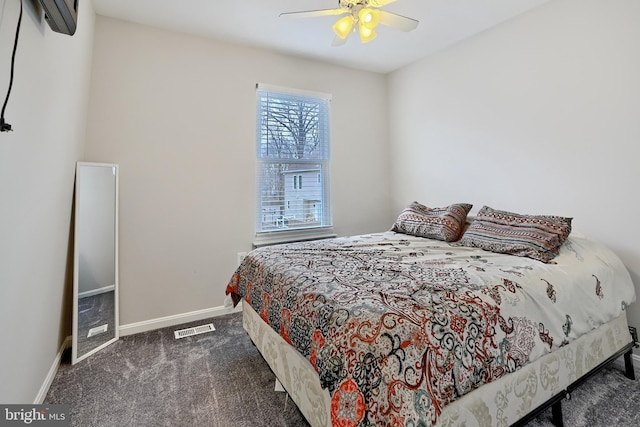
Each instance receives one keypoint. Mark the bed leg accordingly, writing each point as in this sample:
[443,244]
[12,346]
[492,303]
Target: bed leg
[556,412]
[628,366]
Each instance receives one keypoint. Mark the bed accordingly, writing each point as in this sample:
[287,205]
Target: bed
[403,330]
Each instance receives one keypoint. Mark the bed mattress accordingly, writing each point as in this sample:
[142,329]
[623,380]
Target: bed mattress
[399,327]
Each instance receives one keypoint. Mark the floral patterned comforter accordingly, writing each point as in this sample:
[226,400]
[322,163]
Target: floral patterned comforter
[398,326]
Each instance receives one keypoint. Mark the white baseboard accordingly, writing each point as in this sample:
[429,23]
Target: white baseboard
[177,319]
[42,393]
[96,291]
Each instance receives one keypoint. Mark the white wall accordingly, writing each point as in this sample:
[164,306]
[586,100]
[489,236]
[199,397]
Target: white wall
[47,110]
[177,112]
[539,115]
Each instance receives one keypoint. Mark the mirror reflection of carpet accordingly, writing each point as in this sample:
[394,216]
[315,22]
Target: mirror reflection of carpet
[95,311]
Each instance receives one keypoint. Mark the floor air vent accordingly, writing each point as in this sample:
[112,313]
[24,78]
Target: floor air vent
[97,330]
[194,331]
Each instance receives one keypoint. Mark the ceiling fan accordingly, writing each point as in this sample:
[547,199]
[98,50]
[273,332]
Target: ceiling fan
[365,15]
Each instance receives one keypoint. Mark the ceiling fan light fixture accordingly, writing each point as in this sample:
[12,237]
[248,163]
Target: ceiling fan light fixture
[344,26]
[369,18]
[366,34]
[363,15]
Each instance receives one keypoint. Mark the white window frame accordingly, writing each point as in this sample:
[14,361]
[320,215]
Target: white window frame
[283,235]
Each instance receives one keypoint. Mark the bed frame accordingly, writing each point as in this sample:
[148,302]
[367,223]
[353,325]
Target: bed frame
[513,399]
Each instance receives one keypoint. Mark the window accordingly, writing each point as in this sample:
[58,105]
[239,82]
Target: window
[292,147]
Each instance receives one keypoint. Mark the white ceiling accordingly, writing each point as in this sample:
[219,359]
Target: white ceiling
[257,23]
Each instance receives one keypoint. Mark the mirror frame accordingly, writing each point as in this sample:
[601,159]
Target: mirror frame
[75,358]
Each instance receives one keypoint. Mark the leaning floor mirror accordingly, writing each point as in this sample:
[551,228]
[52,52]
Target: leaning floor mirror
[95,271]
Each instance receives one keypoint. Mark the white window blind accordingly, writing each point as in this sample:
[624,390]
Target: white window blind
[293,160]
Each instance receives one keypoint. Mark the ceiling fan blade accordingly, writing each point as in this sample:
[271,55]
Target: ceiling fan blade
[398,22]
[380,3]
[337,41]
[312,13]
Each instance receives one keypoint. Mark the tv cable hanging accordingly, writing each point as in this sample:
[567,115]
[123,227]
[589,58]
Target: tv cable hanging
[4,126]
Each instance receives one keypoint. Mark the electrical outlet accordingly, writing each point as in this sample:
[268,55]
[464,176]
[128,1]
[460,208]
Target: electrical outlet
[241,256]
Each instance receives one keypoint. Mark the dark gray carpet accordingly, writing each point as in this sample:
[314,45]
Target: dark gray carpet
[609,399]
[152,379]
[220,379]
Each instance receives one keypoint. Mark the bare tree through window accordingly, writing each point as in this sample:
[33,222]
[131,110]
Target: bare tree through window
[292,143]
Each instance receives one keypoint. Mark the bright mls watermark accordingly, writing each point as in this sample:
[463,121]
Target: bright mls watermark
[35,415]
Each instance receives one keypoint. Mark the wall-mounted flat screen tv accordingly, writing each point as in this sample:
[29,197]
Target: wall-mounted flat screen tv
[61,15]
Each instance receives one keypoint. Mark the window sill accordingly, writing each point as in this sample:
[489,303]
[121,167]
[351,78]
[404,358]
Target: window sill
[278,237]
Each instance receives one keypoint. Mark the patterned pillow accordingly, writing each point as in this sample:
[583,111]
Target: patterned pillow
[438,223]
[534,236]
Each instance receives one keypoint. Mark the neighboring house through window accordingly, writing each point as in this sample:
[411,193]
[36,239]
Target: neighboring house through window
[293,133]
